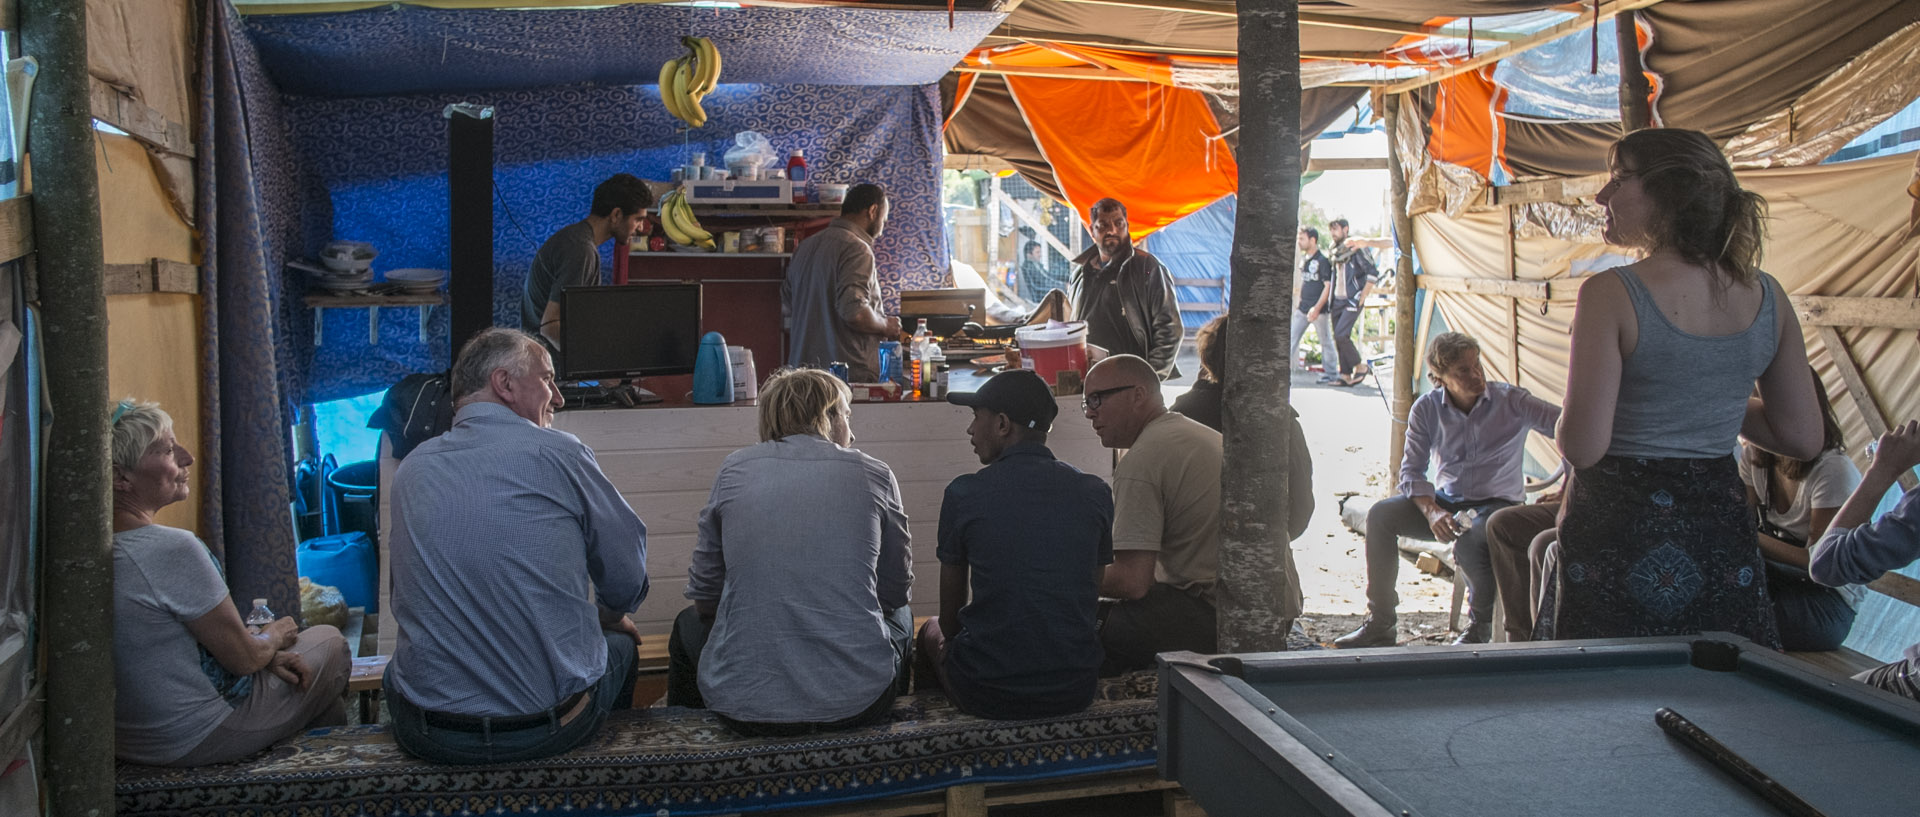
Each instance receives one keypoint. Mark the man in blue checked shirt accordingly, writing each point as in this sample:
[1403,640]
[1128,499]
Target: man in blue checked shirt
[1472,432]
[515,564]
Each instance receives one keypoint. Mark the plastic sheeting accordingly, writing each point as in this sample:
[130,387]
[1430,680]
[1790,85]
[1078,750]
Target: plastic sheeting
[1866,91]
[1557,81]
[1199,246]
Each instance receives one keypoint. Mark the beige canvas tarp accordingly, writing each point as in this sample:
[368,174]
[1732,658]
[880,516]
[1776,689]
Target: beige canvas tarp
[1837,230]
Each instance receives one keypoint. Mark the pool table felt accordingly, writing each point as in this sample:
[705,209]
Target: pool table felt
[1584,741]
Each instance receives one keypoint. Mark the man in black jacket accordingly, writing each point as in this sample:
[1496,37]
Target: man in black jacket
[1125,294]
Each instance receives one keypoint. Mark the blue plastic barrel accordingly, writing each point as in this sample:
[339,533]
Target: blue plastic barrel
[355,491]
[346,561]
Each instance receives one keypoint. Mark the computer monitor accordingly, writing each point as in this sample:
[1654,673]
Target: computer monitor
[635,330]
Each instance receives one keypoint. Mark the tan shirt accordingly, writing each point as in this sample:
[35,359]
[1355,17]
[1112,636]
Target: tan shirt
[1166,498]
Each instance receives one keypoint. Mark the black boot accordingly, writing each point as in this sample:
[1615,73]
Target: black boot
[1475,633]
[1374,632]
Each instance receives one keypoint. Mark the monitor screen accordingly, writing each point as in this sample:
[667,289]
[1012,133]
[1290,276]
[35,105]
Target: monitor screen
[628,331]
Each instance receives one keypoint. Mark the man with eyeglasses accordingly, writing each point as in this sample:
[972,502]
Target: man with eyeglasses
[1166,518]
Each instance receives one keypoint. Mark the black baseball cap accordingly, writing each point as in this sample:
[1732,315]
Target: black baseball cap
[1020,394]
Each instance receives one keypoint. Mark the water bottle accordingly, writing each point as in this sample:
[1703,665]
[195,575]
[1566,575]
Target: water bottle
[1465,518]
[260,617]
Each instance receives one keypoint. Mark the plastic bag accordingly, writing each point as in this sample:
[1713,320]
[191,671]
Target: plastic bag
[321,604]
[751,149]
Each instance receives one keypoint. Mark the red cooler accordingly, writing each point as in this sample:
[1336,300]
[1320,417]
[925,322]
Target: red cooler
[1053,348]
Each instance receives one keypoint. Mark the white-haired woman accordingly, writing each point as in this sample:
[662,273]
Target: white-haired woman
[194,685]
[800,576]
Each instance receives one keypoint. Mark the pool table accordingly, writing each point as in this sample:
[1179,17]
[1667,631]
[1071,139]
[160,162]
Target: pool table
[1551,728]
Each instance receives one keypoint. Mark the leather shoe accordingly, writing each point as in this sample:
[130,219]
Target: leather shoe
[1475,634]
[1372,633]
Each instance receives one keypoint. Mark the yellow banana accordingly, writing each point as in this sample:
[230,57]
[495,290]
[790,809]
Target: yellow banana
[667,96]
[689,105]
[669,221]
[706,64]
[688,222]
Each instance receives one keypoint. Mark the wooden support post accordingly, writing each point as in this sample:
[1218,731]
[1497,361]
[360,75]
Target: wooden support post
[77,620]
[1857,389]
[1258,598]
[1406,358]
[1513,305]
[993,228]
[1636,111]
[967,800]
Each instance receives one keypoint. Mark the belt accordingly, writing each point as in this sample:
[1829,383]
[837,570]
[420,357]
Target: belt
[559,715]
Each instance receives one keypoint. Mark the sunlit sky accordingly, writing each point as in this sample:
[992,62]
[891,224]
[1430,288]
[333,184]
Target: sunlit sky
[1360,195]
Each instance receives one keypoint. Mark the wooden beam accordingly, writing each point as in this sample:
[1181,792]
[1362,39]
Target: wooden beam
[1356,163]
[9,21]
[1573,188]
[152,275]
[1857,390]
[1052,73]
[1491,56]
[1128,45]
[262,7]
[1536,290]
[1889,311]
[150,126]
[1897,586]
[16,227]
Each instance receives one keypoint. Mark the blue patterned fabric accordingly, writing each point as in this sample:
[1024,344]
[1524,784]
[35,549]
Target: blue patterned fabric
[1657,547]
[413,50]
[378,168]
[243,207]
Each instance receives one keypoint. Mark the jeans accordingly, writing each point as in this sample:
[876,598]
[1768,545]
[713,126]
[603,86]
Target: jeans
[1812,618]
[1322,327]
[1390,519]
[613,691]
[689,639]
[1166,619]
[1343,320]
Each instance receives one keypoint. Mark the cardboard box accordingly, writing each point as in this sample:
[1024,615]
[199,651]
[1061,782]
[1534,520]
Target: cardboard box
[737,191]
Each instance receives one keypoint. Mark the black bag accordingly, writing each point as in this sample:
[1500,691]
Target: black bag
[415,410]
[1299,480]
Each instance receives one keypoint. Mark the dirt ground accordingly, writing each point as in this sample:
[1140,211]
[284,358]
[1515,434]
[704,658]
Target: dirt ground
[1347,430]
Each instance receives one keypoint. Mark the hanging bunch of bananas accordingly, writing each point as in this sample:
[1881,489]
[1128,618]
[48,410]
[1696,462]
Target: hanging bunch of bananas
[676,217]
[684,81]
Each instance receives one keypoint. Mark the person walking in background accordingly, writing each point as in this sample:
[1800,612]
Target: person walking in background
[1353,277]
[1314,274]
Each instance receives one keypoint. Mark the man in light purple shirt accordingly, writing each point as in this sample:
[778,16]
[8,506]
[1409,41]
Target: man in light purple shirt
[1473,432]
[1856,551]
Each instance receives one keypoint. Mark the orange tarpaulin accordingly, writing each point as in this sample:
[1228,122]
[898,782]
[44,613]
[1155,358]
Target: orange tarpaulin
[1154,147]
[1466,125]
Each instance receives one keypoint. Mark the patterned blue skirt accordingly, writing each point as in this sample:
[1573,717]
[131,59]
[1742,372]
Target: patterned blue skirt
[1658,547]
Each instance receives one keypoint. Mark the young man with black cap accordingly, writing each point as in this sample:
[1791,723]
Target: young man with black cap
[1030,536]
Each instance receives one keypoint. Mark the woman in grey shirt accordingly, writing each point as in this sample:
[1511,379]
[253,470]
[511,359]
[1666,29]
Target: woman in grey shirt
[800,577]
[1655,535]
[195,687]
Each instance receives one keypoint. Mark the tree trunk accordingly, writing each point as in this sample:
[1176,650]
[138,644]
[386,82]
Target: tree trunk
[1258,596]
[77,626]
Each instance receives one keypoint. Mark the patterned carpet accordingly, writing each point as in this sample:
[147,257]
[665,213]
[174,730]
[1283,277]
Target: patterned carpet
[662,761]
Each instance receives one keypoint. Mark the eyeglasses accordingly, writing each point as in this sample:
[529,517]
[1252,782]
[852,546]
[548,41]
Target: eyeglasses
[1093,399]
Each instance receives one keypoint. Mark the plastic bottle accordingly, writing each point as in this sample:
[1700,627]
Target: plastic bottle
[921,339]
[1465,518]
[936,371]
[797,173]
[260,617]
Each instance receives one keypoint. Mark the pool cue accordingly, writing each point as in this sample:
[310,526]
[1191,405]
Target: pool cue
[1718,754]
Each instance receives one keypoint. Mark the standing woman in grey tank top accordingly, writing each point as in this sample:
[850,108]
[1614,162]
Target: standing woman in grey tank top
[1655,536]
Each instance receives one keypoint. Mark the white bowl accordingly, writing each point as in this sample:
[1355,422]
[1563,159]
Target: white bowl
[831,193]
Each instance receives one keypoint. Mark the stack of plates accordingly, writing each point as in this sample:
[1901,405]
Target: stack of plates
[417,281]
[331,280]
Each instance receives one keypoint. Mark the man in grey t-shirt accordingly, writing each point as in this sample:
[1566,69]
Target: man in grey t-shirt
[571,257]
[831,294]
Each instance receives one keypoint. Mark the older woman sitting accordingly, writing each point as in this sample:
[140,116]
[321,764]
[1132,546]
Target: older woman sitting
[800,576]
[194,686]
